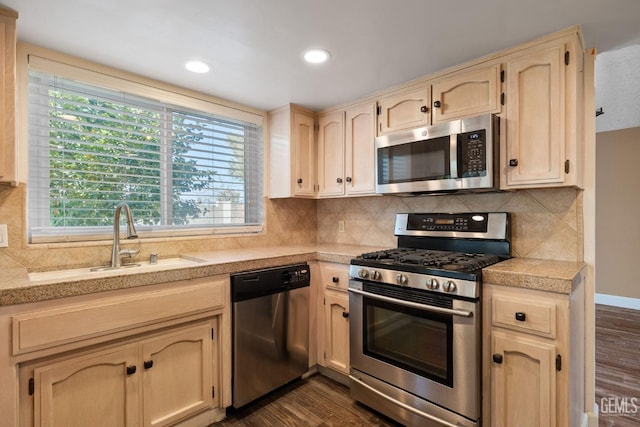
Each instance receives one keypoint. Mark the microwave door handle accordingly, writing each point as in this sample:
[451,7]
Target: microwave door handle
[451,311]
[453,155]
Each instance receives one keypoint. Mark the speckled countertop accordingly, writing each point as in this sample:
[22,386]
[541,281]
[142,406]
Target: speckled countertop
[18,287]
[545,275]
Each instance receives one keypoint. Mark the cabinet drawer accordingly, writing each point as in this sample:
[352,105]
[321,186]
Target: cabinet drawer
[531,316]
[334,276]
[67,323]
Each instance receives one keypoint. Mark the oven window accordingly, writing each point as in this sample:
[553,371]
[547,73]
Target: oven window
[415,161]
[414,340]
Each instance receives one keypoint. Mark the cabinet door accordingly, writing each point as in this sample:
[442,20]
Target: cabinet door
[98,390]
[359,149]
[8,162]
[331,155]
[177,371]
[470,93]
[336,330]
[303,138]
[535,125]
[523,380]
[405,110]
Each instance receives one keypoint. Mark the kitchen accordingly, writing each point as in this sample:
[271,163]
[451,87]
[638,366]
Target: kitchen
[548,224]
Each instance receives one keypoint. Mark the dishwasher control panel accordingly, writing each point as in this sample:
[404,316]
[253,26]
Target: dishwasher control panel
[267,281]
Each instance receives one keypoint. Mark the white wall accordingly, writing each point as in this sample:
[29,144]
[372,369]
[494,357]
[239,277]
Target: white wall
[618,88]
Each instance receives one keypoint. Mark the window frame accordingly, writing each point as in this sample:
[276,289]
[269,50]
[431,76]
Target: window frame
[30,56]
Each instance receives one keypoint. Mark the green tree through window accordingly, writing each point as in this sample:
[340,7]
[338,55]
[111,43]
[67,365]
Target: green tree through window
[173,166]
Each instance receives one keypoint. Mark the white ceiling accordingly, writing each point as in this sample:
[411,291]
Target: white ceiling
[255,46]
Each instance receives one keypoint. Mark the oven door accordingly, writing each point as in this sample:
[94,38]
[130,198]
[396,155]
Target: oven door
[423,343]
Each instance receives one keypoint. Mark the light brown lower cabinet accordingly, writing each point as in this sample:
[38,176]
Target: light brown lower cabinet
[157,355]
[533,362]
[153,382]
[523,386]
[336,331]
[333,313]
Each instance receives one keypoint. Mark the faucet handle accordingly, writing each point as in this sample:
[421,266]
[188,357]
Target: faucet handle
[130,252]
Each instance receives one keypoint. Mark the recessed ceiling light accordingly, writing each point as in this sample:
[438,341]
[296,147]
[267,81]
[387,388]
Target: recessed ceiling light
[197,67]
[316,56]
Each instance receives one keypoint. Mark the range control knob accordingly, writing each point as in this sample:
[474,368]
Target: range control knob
[449,286]
[432,284]
[375,275]
[401,279]
[363,274]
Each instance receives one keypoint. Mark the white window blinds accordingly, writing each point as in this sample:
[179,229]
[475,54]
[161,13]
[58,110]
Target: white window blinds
[177,168]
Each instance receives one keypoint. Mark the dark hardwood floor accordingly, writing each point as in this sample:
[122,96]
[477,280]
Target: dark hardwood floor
[618,366]
[314,402]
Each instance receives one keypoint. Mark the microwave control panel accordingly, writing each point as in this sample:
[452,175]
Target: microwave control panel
[472,154]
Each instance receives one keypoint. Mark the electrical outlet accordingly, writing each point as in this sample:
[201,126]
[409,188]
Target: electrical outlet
[341,226]
[4,238]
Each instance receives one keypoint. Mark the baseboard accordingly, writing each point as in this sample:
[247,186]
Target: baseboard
[618,301]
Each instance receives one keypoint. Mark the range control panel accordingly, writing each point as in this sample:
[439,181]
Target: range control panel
[475,223]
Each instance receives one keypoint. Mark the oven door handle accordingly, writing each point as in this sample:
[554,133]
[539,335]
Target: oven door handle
[402,404]
[452,311]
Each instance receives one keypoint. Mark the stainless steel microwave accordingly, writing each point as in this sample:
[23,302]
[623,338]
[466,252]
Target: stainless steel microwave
[461,155]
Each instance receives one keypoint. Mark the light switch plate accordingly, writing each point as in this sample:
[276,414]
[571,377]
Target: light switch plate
[4,238]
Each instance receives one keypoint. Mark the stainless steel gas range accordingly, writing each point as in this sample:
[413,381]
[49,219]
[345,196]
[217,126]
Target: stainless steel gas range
[415,324]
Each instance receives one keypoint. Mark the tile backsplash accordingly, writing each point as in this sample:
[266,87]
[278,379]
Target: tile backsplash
[288,222]
[546,224]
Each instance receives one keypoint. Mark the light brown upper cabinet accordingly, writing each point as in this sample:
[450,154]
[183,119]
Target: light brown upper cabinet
[331,150]
[466,94]
[345,151]
[543,116]
[8,155]
[359,150]
[404,110]
[292,152]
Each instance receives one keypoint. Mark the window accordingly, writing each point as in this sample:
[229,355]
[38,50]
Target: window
[182,170]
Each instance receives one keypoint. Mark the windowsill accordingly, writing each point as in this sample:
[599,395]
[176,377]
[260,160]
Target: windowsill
[149,237]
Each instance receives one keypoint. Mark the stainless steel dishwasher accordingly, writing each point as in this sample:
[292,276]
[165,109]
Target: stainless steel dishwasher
[270,329]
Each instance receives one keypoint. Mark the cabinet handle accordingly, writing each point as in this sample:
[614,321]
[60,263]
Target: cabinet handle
[497,358]
[148,364]
[131,369]
[513,162]
[335,279]
[339,180]
[424,109]
[520,316]
[436,104]
[299,181]
[348,179]
[345,314]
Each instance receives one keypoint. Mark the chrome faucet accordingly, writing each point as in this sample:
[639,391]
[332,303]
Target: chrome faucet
[116,253]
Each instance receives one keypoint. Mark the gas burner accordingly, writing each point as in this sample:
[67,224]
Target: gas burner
[435,259]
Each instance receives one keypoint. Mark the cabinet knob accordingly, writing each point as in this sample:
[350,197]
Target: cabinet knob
[520,316]
[299,181]
[348,179]
[345,314]
[339,180]
[131,369]
[436,104]
[335,279]
[497,358]
[424,109]
[148,364]
[513,162]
